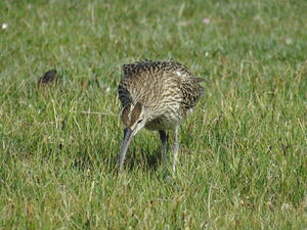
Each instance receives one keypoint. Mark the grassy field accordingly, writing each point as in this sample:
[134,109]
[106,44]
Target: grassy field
[243,161]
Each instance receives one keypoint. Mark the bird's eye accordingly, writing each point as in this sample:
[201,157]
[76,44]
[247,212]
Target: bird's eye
[139,121]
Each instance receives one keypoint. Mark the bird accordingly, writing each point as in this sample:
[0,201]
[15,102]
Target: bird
[156,95]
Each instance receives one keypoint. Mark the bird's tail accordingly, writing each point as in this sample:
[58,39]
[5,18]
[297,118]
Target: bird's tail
[196,81]
[192,91]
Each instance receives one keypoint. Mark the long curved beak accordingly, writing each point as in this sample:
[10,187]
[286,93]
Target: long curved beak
[124,147]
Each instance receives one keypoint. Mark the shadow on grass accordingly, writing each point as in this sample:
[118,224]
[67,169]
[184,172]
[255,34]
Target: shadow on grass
[141,159]
[144,160]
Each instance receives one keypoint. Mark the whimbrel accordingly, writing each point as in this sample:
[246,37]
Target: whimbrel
[156,95]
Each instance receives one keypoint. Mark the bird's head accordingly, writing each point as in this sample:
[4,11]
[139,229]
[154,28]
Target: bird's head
[134,118]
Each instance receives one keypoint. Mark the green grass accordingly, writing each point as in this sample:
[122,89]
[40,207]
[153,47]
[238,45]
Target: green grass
[243,151]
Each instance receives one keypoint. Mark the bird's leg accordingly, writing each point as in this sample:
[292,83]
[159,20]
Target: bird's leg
[164,140]
[176,147]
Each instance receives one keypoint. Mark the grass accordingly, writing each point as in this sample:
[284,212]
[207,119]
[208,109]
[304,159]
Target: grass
[243,151]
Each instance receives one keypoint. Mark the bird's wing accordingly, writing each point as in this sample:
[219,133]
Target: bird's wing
[124,95]
[137,68]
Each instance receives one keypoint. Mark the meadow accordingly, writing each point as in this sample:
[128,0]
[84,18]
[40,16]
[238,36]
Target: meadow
[243,161]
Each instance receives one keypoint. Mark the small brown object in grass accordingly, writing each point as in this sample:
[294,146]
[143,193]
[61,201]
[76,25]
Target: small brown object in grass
[50,77]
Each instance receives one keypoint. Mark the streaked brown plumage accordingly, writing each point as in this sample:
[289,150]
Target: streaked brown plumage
[156,95]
